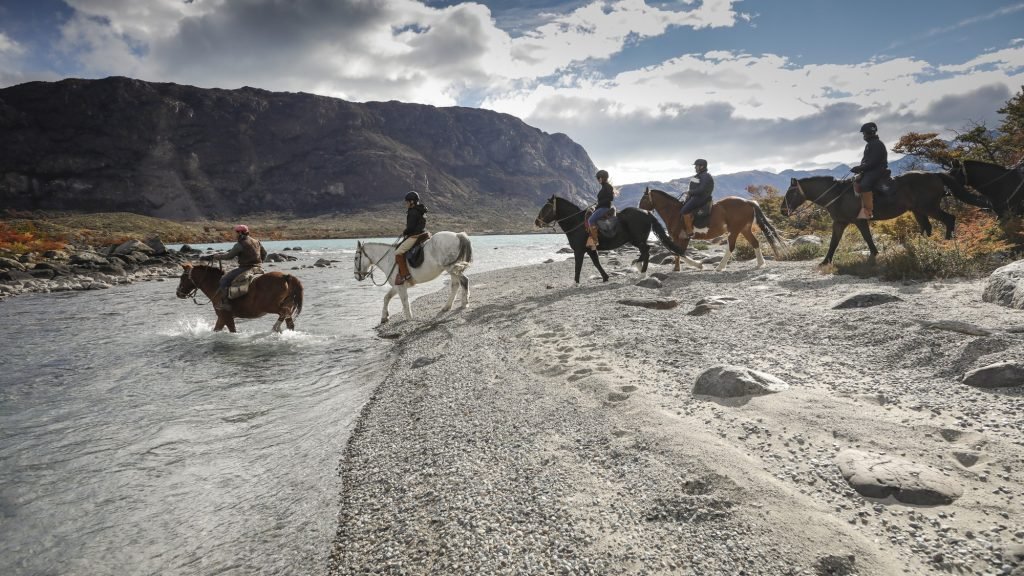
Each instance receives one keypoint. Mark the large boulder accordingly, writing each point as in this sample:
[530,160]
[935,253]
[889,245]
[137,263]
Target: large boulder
[1006,286]
[157,246]
[86,257]
[132,246]
[999,375]
[736,381]
[8,264]
[881,476]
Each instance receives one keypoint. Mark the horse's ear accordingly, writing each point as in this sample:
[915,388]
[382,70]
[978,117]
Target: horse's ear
[647,189]
[186,265]
[792,181]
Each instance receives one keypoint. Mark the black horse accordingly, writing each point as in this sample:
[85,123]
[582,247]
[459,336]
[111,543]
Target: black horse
[1003,187]
[918,192]
[634,227]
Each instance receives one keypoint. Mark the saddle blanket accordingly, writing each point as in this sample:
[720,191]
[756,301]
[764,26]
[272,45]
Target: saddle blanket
[240,285]
[414,257]
[702,216]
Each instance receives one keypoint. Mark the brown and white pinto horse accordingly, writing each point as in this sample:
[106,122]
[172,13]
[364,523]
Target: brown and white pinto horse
[734,215]
[270,293]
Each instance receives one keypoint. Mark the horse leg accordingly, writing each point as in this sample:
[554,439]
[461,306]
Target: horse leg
[947,219]
[387,300]
[220,323]
[749,235]
[465,290]
[597,264]
[922,221]
[677,267]
[403,293]
[453,288]
[837,235]
[230,321]
[277,325]
[728,252]
[865,231]
[645,257]
[289,322]
[579,264]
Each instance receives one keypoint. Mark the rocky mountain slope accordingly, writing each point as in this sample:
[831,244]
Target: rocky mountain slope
[182,152]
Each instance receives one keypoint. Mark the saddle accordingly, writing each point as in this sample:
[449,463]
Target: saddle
[240,285]
[702,215]
[607,225]
[414,257]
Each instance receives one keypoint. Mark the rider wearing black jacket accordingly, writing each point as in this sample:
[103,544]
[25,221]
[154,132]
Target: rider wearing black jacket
[871,171]
[702,185]
[415,227]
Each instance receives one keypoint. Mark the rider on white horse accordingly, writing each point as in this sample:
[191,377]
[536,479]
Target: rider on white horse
[415,229]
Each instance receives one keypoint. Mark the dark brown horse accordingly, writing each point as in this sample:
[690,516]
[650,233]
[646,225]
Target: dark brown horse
[733,215]
[917,192]
[1003,187]
[634,227]
[270,293]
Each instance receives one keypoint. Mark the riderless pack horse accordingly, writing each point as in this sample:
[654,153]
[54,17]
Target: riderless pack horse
[444,252]
[634,226]
[270,293]
[917,192]
[734,215]
[1003,187]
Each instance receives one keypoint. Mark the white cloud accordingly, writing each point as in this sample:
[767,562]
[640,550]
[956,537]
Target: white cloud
[745,110]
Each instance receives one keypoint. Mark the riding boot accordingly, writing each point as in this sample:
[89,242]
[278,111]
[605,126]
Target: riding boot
[687,230]
[592,241]
[220,300]
[403,270]
[867,206]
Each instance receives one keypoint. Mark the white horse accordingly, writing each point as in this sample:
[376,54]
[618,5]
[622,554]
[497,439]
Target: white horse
[444,252]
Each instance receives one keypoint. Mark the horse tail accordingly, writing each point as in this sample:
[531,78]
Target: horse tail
[465,256]
[961,193]
[295,287]
[767,228]
[659,230]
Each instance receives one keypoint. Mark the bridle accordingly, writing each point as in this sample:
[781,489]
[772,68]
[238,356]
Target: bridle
[963,168]
[360,275]
[554,211]
[195,288]
[812,201]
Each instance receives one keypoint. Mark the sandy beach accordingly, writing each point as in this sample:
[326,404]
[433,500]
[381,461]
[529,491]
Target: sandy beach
[553,429]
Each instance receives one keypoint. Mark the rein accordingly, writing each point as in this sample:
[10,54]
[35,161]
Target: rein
[554,223]
[195,289]
[997,179]
[813,201]
[373,265]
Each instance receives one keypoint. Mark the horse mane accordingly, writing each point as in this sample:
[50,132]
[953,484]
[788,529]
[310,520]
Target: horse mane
[984,163]
[665,194]
[566,201]
[215,269]
[818,179]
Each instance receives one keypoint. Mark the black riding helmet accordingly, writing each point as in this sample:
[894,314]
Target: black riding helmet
[869,128]
[701,163]
[412,197]
[602,173]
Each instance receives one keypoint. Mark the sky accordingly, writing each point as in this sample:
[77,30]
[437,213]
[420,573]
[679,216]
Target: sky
[644,87]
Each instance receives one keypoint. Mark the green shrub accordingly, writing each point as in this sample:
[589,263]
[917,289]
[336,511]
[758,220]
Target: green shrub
[802,252]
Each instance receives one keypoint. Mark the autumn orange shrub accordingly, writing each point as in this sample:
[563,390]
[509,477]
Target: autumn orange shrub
[16,241]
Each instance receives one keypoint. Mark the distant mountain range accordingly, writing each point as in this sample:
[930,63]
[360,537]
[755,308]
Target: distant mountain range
[736,183]
[181,152]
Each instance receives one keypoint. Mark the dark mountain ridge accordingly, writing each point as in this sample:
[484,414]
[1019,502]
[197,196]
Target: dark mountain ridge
[182,152]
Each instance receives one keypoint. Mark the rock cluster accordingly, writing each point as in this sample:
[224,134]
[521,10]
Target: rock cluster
[88,268]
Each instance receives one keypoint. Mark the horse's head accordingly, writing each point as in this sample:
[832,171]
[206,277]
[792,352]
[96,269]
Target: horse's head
[186,287]
[362,263]
[646,202]
[794,197]
[548,213]
[958,172]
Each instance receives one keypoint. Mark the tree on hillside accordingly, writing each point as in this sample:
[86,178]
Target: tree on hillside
[1004,145]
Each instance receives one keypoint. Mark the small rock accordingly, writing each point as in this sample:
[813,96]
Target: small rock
[736,381]
[649,283]
[866,300]
[652,303]
[999,375]
[882,476]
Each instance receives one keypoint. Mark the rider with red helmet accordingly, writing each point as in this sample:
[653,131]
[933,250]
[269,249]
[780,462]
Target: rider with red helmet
[250,253]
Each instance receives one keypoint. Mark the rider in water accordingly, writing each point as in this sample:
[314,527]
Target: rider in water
[250,253]
[871,170]
[415,226]
[701,187]
[604,204]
